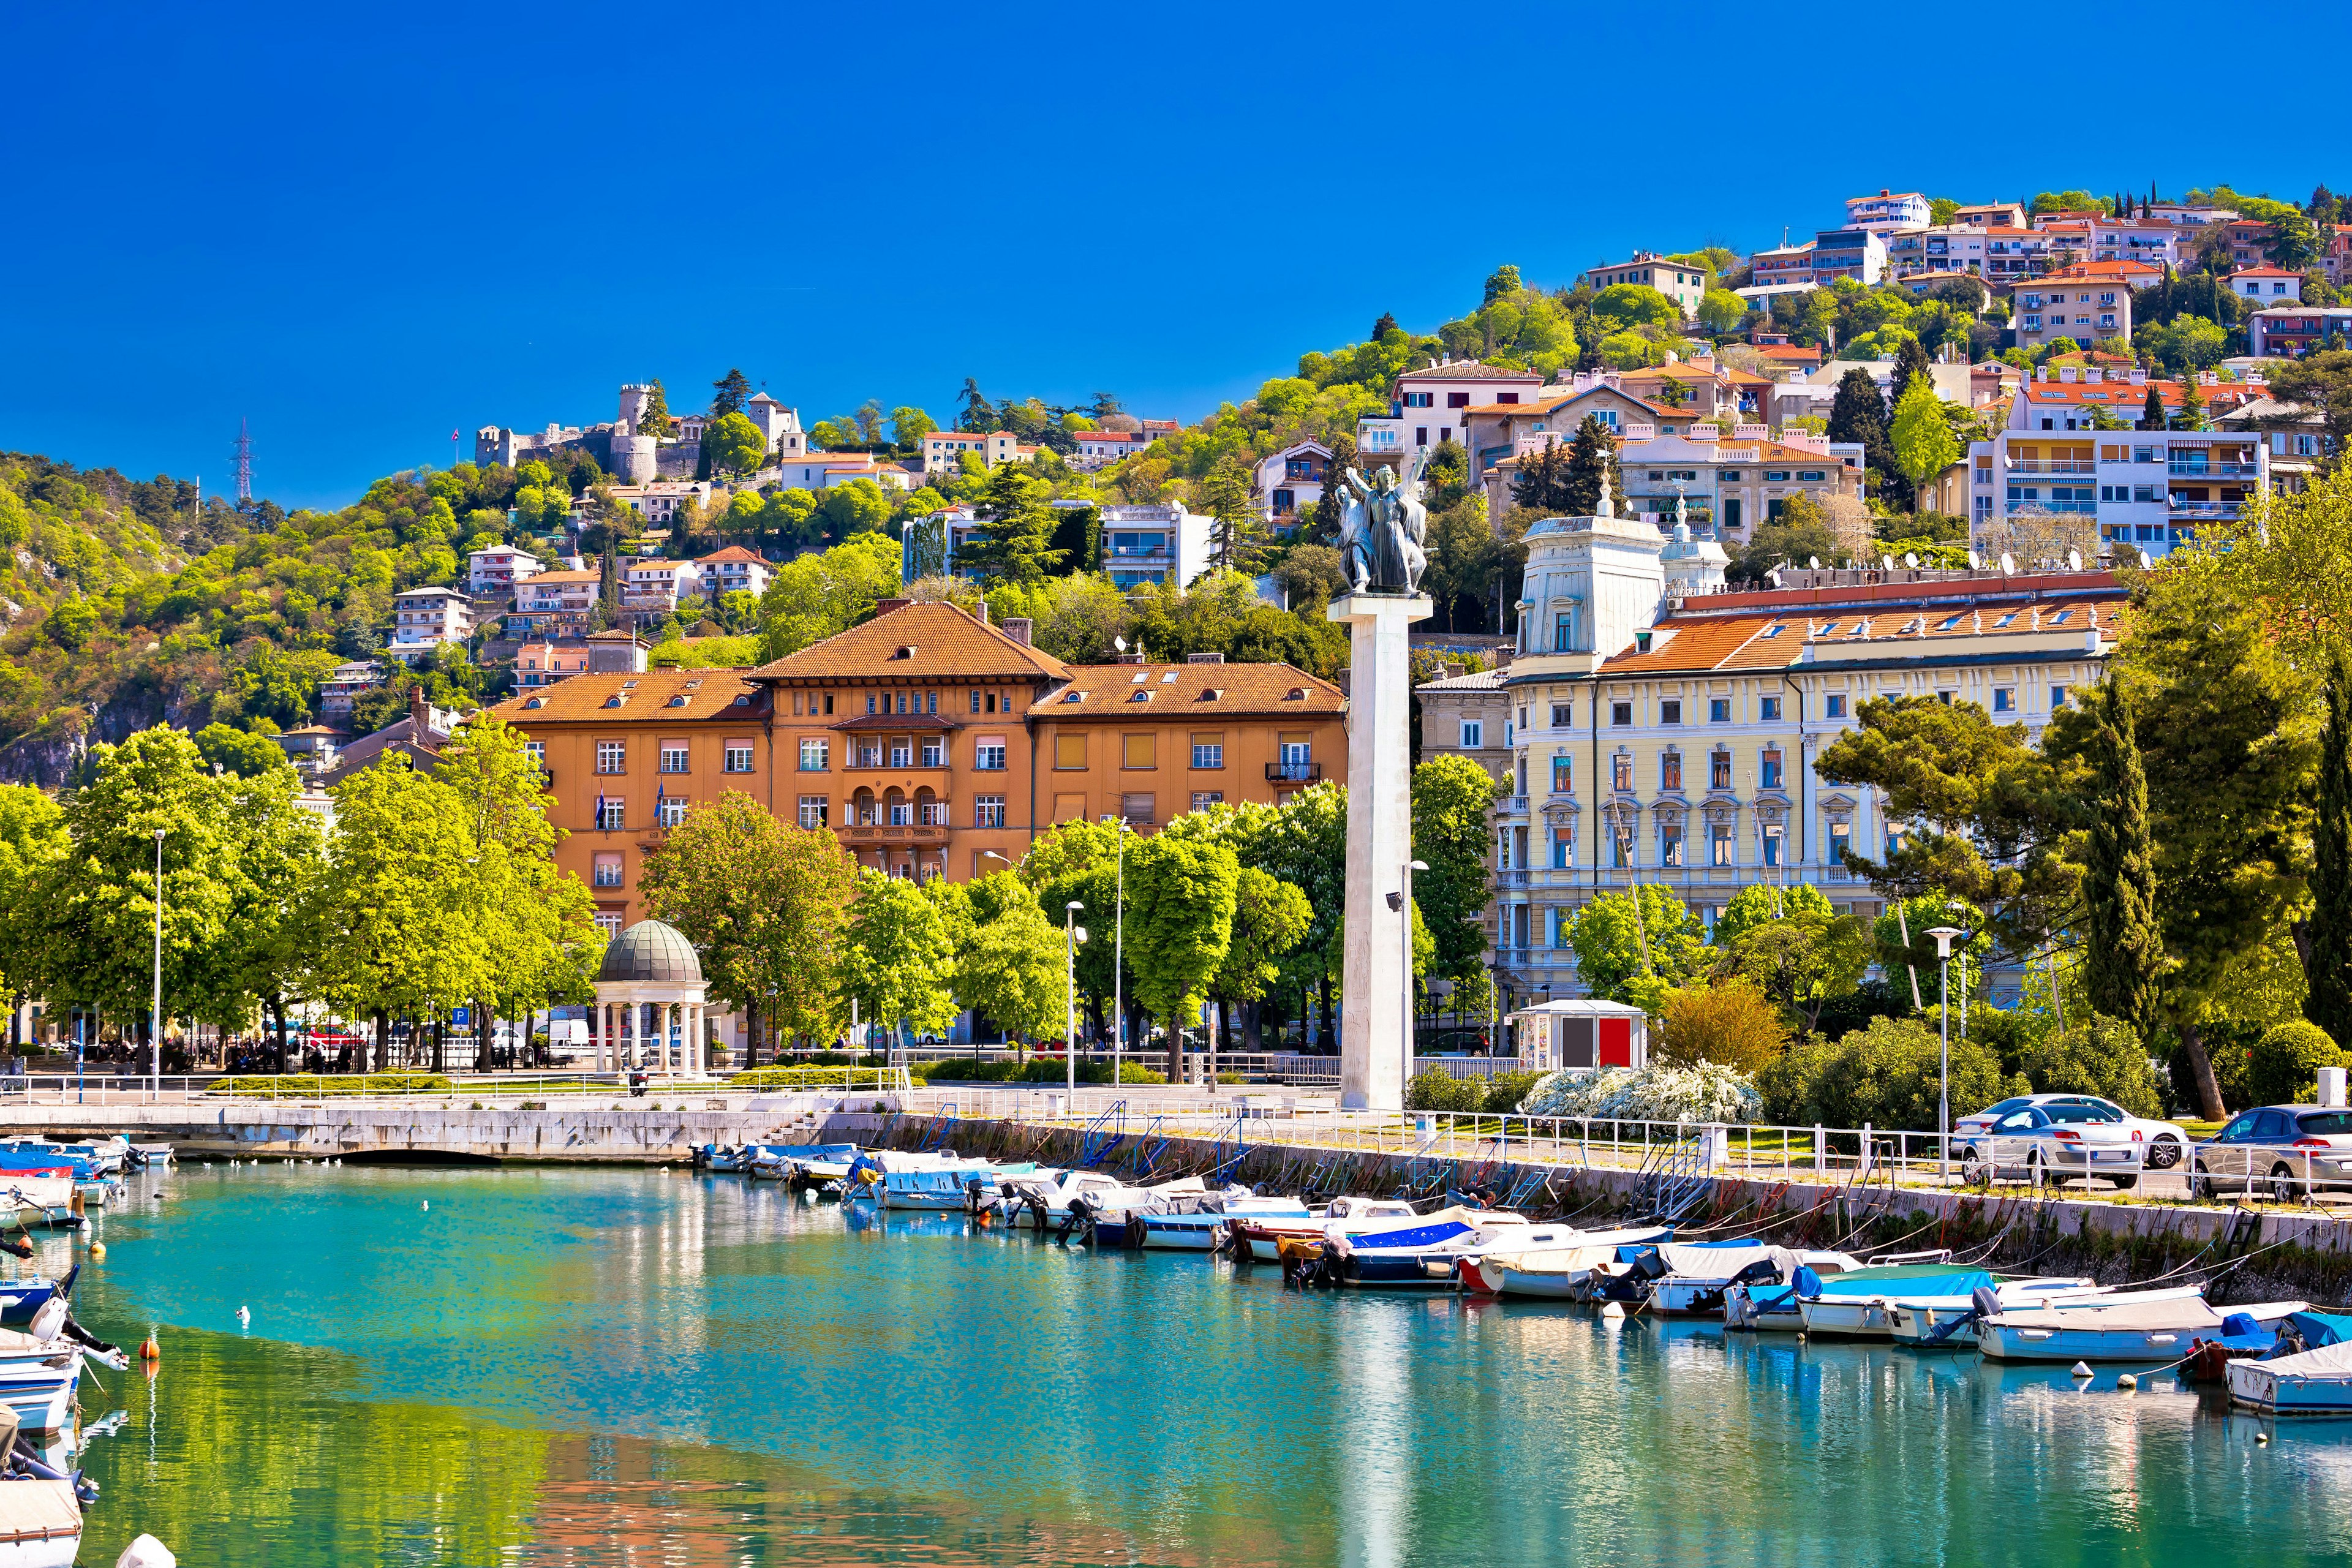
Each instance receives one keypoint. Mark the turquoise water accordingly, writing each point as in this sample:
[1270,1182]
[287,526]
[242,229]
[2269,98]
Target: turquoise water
[577,1368]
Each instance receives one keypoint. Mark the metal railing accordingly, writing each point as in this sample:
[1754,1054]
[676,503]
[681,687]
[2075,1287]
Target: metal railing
[412,1084]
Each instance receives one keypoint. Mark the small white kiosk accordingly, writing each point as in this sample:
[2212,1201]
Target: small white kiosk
[1581,1034]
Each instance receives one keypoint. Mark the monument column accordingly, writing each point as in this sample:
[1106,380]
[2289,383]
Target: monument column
[1373,1021]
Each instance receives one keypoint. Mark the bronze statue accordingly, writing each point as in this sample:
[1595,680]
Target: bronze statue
[1383,526]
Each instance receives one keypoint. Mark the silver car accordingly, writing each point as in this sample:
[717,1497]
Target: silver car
[2054,1141]
[2167,1142]
[2284,1150]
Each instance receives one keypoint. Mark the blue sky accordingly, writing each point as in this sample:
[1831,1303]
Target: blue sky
[362,227]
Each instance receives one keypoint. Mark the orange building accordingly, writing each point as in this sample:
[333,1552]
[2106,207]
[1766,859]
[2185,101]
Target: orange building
[926,739]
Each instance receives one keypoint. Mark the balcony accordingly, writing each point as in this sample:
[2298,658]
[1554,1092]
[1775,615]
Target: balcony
[2064,507]
[905,766]
[1514,805]
[2190,470]
[912,834]
[2052,466]
[1140,553]
[2206,509]
[1516,877]
[1294,772]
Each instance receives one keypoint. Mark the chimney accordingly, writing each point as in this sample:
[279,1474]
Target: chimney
[984,612]
[884,606]
[1017,627]
[1204,658]
[416,711]
[2139,378]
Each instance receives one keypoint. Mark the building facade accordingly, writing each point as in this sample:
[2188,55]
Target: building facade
[1290,482]
[424,619]
[1856,253]
[1680,282]
[734,570]
[1429,406]
[1888,211]
[2294,332]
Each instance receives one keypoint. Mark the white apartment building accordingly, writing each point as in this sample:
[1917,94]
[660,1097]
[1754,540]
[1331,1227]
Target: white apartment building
[732,569]
[557,594]
[2145,489]
[497,571]
[817,470]
[1888,211]
[1291,482]
[1953,247]
[1154,544]
[1101,448]
[2088,304]
[657,584]
[2013,254]
[1683,284]
[1428,406]
[424,619]
[2270,285]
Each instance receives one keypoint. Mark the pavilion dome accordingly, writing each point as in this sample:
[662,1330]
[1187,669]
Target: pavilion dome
[650,950]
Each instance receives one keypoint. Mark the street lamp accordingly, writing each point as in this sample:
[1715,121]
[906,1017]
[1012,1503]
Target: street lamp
[1119,954]
[155,1018]
[1071,936]
[1943,935]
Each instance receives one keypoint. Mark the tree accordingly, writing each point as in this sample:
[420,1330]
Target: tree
[978,413]
[1793,946]
[1889,1075]
[1721,311]
[608,590]
[1236,542]
[240,752]
[1180,925]
[2151,415]
[279,853]
[1452,799]
[1731,1023]
[1012,965]
[1622,306]
[845,510]
[33,835]
[1921,439]
[1270,918]
[1636,947]
[898,957]
[1592,455]
[2192,402]
[1858,411]
[1543,483]
[2320,385]
[734,445]
[2328,961]
[2294,242]
[2100,1056]
[727,395]
[2283,1067]
[1013,541]
[2124,947]
[909,426]
[654,420]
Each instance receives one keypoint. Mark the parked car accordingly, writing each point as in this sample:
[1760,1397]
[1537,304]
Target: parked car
[2283,1149]
[2054,1141]
[2167,1143]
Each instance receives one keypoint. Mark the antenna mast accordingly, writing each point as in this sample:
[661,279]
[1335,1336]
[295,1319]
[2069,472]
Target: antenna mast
[242,456]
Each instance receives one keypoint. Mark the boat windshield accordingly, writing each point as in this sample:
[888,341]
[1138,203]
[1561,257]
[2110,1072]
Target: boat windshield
[2063,1113]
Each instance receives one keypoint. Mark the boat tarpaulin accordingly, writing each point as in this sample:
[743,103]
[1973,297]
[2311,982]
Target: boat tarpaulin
[1700,1260]
[2329,1361]
[2190,1312]
[1904,1281]
[35,1509]
[1553,1259]
[2322,1328]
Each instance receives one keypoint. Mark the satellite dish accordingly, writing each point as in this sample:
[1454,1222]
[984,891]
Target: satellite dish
[1911,560]
[1975,561]
[2074,561]
[2146,564]
[2008,567]
[1887,563]
[1119,643]
[1814,562]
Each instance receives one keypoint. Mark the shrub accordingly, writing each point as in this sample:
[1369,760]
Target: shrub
[2283,1067]
[310,1086]
[2105,1057]
[1733,1024]
[1432,1090]
[1659,1092]
[1887,1075]
[1505,1090]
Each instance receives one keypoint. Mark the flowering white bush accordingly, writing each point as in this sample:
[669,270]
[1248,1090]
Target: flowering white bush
[1705,1092]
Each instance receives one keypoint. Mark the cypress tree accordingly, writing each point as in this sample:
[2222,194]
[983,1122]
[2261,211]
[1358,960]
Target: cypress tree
[2124,957]
[608,591]
[2328,963]
[1593,453]
[2192,406]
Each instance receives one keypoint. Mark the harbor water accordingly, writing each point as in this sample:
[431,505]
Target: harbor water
[544,1366]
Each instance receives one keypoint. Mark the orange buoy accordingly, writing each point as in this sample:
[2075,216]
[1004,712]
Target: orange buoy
[149,1350]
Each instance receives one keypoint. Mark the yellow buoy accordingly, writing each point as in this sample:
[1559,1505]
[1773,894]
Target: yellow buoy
[97,1252]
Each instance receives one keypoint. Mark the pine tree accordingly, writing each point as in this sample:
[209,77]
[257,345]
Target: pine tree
[1385,327]
[2192,404]
[2124,961]
[1236,536]
[608,591]
[1594,454]
[1542,482]
[2152,417]
[729,394]
[1013,542]
[2327,967]
[656,420]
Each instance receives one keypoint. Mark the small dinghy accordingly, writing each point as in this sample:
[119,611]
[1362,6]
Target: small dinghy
[2307,1372]
[1552,1269]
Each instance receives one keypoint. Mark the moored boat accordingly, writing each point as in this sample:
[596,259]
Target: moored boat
[1553,1267]
[1697,1277]
[1266,1237]
[2307,1372]
[1942,1321]
[2138,1331]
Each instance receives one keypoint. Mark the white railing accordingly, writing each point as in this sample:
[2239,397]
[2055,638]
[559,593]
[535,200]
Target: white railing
[502,1090]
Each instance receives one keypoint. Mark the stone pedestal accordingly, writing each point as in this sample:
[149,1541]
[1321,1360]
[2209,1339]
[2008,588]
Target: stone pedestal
[1374,1025]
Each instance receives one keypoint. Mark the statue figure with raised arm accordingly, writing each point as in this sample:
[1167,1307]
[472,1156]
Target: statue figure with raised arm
[1384,533]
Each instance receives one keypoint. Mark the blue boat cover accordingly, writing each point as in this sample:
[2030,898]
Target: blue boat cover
[2319,1328]
[1419,1236]
[805,1150]
[1872,1282]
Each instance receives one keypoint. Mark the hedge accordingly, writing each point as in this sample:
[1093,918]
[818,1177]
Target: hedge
[310,1085]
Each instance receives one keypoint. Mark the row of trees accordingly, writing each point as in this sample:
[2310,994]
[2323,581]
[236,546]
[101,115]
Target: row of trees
[434,891]
[1224,905]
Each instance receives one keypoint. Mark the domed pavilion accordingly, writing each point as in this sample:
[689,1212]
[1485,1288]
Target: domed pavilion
[650,1001]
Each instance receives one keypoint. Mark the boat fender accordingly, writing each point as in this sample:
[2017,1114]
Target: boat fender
[97,1252]
[146,1553]
[2127,1382]
[2262,1436]
[2080,1369]
[1613,1309]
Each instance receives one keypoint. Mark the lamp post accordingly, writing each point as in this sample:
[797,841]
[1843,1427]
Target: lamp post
[1406,909]
[1943,935]
[1071,936]
[1118,954]
[155,1018]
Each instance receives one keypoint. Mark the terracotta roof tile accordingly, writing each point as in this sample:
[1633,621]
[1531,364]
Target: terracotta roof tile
[709,694]
[948,644]
[1749,642]
[1107,692]
[732,553]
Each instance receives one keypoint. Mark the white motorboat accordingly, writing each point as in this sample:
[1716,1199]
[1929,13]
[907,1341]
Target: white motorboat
[40,1523]
[1551,1263]
[1424,1252]
[1944,1320]
[1045,1200]
[1264,1237]
[2137,1331]
[2315,1381]
[945,1187]
[1698,1274]
[1196,1224]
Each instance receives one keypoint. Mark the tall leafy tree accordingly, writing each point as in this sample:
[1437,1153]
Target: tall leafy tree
[734,445]
[1637,946]
[729,394]
[1011,965]
[978,415]
[1180,925]
[1544,482]
[898,957]
[2327,963]
[1236,534]
[1013,542]
[2124,951]
[1921,439]
[2151,415]
[765,903]
[1270,916]
[1453,798]
[280,852]
[33,835]
[2320,385]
